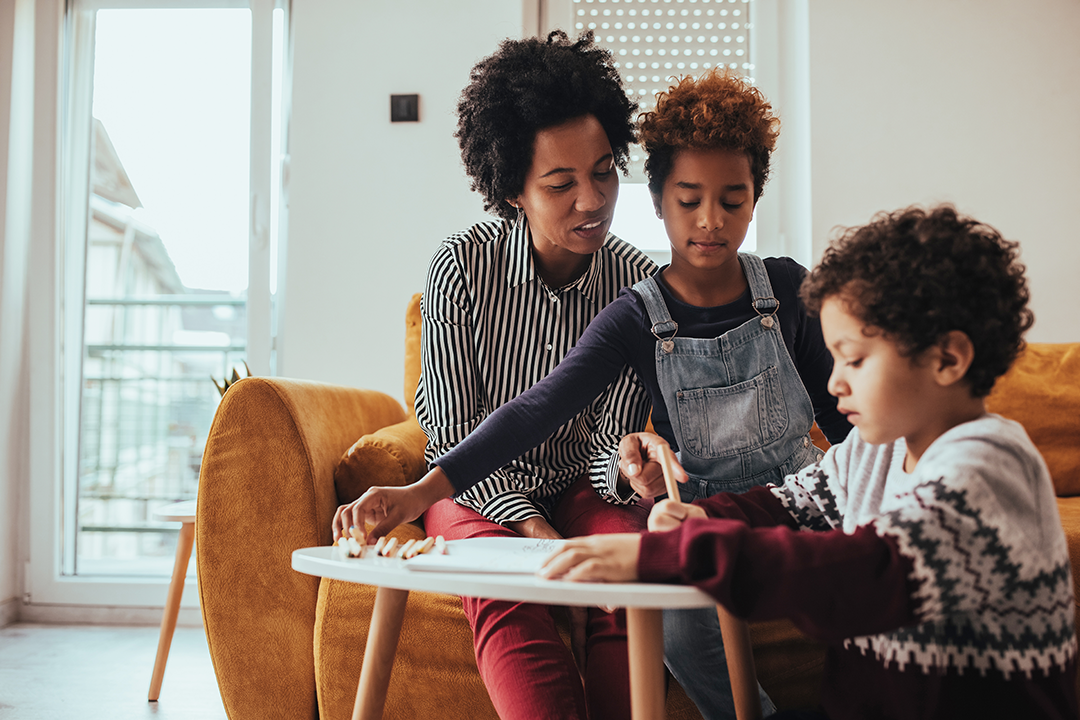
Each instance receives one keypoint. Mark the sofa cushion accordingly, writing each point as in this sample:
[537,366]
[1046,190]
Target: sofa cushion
[1069,511]
[392,456]
[1042,392]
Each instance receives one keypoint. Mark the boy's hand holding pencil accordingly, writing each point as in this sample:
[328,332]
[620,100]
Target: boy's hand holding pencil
[671,513]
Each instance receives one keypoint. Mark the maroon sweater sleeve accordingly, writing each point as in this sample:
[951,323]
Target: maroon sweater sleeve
[832,585]
[757,507]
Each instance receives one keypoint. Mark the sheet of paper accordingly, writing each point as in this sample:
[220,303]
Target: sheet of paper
[522,556]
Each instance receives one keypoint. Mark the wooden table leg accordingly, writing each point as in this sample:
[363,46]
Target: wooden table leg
[383,634]
[645,641]
[172,606]
[740,661]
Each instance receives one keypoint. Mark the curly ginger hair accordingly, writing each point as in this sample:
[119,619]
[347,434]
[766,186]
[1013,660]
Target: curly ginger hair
[719,110]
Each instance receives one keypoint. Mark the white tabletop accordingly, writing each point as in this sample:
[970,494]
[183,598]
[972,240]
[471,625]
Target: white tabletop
[178,512]
[394,573]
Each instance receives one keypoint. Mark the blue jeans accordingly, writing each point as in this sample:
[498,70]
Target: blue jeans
[694,653]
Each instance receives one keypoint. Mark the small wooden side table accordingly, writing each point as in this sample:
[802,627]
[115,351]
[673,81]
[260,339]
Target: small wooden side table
[643,603]
[184,513]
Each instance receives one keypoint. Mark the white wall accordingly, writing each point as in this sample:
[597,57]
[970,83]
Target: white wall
[975,102]
[370,200]
[969,101]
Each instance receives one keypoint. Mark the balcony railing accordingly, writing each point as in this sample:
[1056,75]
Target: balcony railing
[147,403]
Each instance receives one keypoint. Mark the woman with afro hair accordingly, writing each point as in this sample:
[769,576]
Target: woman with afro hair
[544,127]
[736,369]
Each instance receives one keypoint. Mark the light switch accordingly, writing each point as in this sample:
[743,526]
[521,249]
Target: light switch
[404,108]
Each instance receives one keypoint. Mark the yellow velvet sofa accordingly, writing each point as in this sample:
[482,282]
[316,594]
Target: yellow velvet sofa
[282,454]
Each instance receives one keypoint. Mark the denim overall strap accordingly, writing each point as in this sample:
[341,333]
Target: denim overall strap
[736,403]
[760,288]
[663,327]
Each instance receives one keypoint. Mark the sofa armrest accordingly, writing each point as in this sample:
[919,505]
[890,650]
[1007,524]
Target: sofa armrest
[266,488]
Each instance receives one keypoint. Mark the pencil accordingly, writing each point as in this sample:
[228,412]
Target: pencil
[667,463]
[404,551]
[388,548]
[429,542]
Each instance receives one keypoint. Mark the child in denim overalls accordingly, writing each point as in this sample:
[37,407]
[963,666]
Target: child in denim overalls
[736,370]
[737,405]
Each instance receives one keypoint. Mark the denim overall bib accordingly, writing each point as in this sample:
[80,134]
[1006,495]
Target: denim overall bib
[736,403]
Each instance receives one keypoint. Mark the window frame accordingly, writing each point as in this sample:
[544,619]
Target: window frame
[61,150]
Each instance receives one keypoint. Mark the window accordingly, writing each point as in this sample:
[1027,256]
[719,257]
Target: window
[169,203]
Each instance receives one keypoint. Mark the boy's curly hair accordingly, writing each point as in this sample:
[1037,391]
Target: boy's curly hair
[719,110]
[918,274]
[526,86]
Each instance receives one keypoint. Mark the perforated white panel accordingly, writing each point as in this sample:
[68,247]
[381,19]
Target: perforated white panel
[656,40]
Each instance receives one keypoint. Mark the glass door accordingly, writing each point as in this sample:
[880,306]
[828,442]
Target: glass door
[171,149]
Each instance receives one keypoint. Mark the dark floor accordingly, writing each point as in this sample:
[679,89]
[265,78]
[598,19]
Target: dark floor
[103,673]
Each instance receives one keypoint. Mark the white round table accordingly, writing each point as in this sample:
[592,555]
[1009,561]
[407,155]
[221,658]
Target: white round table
[643,603]
[183,513]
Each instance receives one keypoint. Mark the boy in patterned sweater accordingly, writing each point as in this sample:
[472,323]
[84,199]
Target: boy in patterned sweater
[925,549]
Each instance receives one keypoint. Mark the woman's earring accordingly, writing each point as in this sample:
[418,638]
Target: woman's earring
[520,210]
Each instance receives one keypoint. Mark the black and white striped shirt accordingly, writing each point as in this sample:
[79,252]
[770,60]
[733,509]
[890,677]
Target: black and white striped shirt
[491,329]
